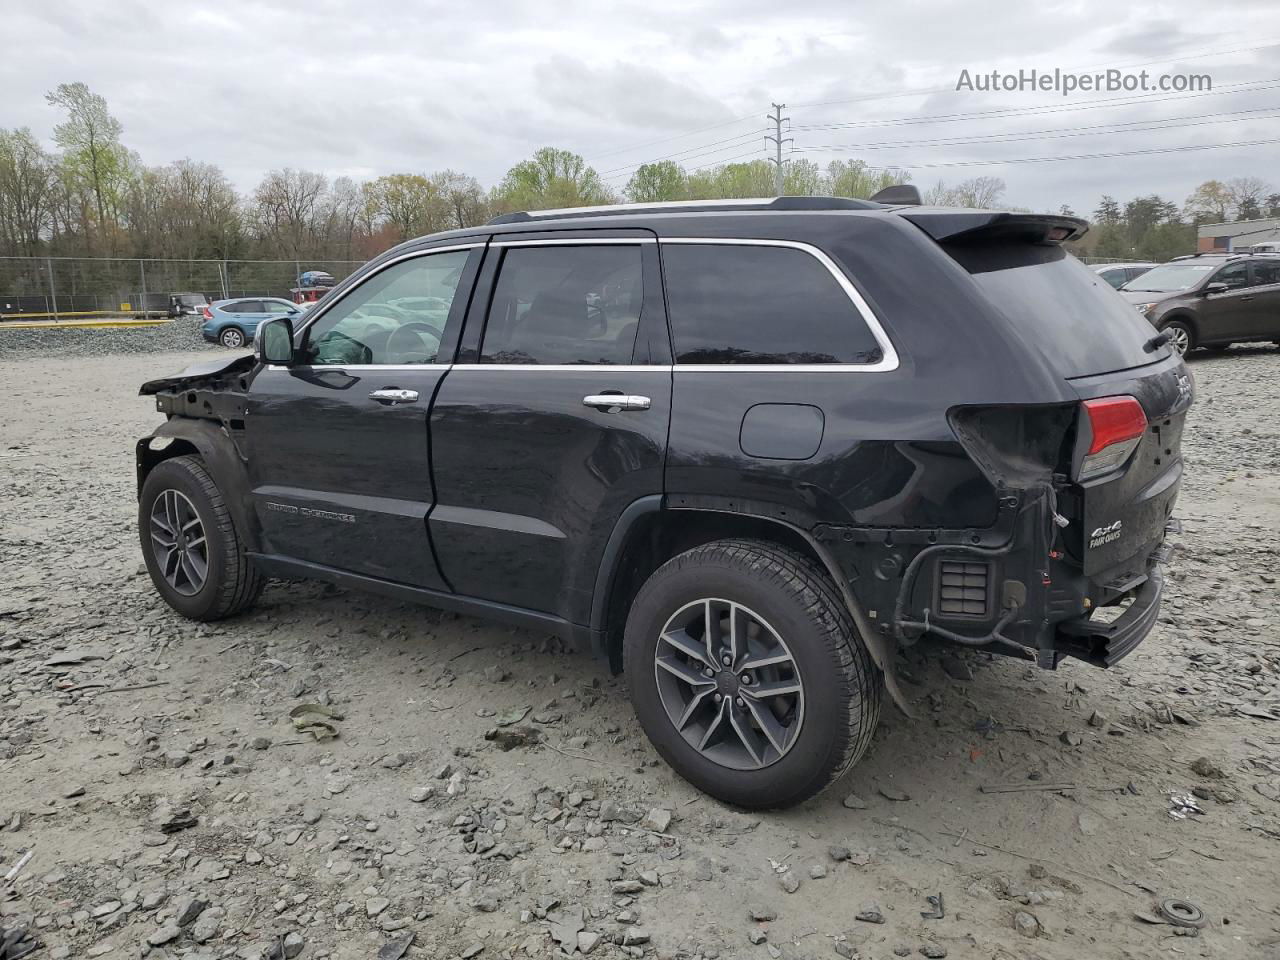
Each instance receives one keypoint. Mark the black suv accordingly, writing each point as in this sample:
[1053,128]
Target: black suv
[1211,300]
[744,450]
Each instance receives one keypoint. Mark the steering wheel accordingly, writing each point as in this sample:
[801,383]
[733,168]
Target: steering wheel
[415,338]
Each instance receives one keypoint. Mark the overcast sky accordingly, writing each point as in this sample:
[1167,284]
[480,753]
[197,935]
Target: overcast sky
[381,86]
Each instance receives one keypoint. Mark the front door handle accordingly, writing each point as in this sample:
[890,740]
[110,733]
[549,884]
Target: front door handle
[393,395]
[613,402]
[1246,299]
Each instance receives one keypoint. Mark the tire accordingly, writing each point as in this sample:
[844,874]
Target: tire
[232,337]
[1184,338]
[182,488]
[791,601]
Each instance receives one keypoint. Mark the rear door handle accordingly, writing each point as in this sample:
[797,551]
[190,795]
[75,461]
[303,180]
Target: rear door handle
[1246,299]
[613,402]
[393,395]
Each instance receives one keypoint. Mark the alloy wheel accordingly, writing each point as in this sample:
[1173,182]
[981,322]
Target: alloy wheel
[232,338]
[179,543]
[1180,340]
[729,684]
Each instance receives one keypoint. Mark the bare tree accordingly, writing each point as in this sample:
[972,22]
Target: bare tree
[1247,195]
[27,180]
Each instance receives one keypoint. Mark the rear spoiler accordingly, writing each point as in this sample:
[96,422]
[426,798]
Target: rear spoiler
[984,226]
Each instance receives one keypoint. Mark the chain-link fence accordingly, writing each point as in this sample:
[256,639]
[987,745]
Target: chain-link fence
[58,287]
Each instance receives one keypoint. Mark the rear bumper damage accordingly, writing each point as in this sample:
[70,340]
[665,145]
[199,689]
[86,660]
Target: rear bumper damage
[1106,643]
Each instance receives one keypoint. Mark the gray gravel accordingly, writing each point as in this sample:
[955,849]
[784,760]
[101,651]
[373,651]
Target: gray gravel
[181,334]
[150,766]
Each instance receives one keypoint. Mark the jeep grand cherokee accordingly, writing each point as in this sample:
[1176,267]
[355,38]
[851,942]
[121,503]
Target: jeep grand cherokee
[744,450]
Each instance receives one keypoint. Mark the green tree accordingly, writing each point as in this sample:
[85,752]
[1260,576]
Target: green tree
[732,180]
[552,178]
[1108,213]
[656,182]
[409,204]
[803,178]
[1209,203]
[854,178]
[90,140]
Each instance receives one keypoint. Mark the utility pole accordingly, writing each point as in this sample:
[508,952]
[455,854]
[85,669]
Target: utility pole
[777,119]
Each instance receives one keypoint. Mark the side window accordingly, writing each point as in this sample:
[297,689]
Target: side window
[565,304]
[1234,275]
[760,304]
[1266,272]
[1115,278]
[235,306]
[396,316]
[251,306]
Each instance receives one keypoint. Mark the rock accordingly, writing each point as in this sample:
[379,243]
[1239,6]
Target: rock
[658,820]
[650,878]
[757,936]
[176,758]
[72,792]
[587,941]
[206,926]
[1096,719]
[292,945]
[893,793]
[105,909]
[817,871]
[1026,924]
[260,743]
[763,914]
[170,931]
[633,938]
[1071,738]
[627,886]
[838,853]
[175,820]
[843,949]
[870,913]
[375,905]
[957,669]
[1204,767]
[934,951]
[789,882]
[474,950]
[188,914]
[252,857]
[422,794]
[854,802]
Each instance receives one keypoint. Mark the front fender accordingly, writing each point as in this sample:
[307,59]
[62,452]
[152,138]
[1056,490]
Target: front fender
[211,442]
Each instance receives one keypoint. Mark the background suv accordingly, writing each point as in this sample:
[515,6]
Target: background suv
[233,323]
[1211,300]
[1118,274]
[744,450]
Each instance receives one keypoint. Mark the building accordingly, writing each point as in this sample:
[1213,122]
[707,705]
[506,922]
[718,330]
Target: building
[1238,236]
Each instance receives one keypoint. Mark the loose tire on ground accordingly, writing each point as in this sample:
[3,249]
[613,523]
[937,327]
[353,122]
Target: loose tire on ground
[229,583]
[841,687]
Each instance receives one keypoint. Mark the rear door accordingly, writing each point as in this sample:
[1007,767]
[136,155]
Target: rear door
[338,447]
[1264,307]
[554,420]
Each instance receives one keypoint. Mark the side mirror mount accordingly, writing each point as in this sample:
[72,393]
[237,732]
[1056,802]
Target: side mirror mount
[1214,288]
[274,341]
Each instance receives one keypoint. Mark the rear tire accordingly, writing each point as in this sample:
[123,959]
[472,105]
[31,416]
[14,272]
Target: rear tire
[799,635]
[232,337]
[191,547]
[1183,338]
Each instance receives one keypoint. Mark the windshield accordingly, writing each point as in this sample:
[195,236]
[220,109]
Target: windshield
[1171,277]
[192,299]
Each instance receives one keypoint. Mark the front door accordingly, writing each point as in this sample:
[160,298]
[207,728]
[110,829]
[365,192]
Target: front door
[339,456]
[1226,315]
[1264,308]
[554,420]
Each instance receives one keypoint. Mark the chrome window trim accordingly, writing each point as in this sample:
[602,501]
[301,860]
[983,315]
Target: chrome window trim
[889,356]
[574,242]
[567,367]
[315,313]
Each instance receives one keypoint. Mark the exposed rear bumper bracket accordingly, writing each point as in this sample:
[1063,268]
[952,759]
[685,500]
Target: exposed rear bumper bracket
[1112,642]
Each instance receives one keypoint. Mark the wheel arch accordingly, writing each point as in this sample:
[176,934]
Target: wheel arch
[652,530]
[210,442]
[1188,320]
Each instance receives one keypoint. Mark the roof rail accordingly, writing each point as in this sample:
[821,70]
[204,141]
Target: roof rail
[778,204]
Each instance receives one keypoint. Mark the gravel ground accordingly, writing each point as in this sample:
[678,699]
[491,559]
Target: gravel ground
[170,807]
[180,334]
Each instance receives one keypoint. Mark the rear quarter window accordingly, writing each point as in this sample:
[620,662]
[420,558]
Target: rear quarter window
[737,303]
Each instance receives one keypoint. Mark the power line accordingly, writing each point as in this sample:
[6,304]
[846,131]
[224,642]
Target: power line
[1081,156]
[1098,130]
[627,173]
[672,156]
[678,136]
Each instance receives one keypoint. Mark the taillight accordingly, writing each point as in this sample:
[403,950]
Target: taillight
[207,313]
[1115,426]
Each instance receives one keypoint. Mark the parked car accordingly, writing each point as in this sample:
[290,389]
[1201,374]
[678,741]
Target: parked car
[742,450]
[1211,300]
[233,323]
[1118,274]
[186,304]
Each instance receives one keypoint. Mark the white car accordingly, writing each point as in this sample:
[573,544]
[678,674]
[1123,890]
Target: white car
[1118,274]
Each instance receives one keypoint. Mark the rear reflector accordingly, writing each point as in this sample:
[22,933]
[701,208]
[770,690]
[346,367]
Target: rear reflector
[1115,425]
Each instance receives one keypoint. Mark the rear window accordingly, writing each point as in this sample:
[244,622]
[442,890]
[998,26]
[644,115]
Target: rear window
[1081,324]
[735,303]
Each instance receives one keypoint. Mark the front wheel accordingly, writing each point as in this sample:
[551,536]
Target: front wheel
[232,337]
[747,675]
[190,544]
[1181,337]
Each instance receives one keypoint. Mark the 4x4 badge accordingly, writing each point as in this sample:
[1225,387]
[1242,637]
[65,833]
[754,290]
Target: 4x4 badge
[1104,535]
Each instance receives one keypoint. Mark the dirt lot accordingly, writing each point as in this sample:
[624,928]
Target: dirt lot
[150,766]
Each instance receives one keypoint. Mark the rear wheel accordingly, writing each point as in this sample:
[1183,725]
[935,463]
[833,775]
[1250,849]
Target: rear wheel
[232,337]
[1181,337]
[192,550]
[747,675]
